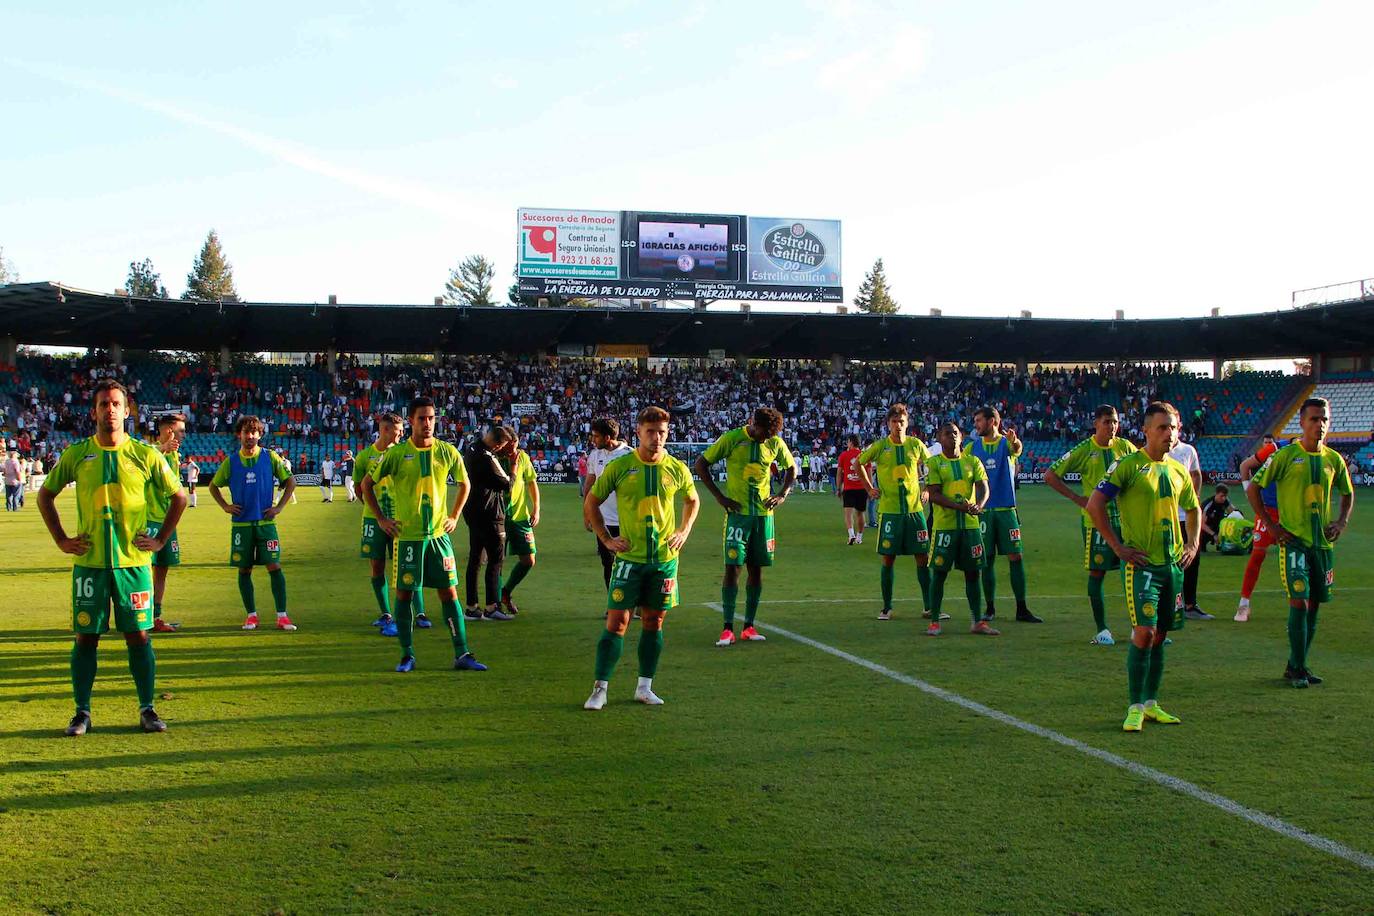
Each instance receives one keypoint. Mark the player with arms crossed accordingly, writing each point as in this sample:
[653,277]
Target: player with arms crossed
[899,460]
[1001,526]
[749,452]
[1264,524]
[1304,473]
[958,488]
[113,474]
[645,483]
[251,473]
[171,429]
[1150,488]
[416,474]
[1090,460]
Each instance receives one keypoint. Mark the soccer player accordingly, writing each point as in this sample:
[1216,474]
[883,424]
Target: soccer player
[645,482]
[327,479]
[376,545]
[113,474]
[958,488]
[171,429]
[192,476]
[1090,460]
[998,449]
[1304,473]
[522,517]
[1264,523]
[900,460]
[1150,488]
[849,487]
[251,472]
[606,447]
[416,473]
[748,453]
[817,464]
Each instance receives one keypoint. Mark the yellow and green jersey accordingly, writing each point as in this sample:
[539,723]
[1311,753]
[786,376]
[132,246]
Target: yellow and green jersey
[1303,483]
[1149,495]
[417,481]
[899,467]
[521,473]
[158,502]
[112,487]
[1091,461]
[280,469]
[747,477]
[956,478]
[363,465]
[644,495]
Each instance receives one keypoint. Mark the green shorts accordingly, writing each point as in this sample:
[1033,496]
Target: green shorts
[1154,595]
[1001,531]
[520,538]
[1307,573]
[170,554]
[1097,556]
[94,590]
[375,542]
[748,540]
[652,586]
[960,548]
[254,544]
[424,564]
[902,535]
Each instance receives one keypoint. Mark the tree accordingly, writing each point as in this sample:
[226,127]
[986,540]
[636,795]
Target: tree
[211,277]
[470,283]
[7,271]
[144,282]
[875,296]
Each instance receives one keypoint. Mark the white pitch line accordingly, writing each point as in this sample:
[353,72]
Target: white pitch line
[852,600]
[1182,786]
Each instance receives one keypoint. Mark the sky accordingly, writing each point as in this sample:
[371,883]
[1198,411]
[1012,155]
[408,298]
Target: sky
[1069,158]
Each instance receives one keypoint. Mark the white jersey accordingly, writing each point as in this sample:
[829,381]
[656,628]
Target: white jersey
[1186,455]
[192,472]
[817,464]
[597,459]
[326,471]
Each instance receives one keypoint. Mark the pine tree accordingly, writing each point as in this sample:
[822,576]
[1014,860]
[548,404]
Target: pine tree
[875,296]
[144,282]
[7,272]
[470,283]
[211,277]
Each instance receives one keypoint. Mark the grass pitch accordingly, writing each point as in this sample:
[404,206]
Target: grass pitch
[301,774]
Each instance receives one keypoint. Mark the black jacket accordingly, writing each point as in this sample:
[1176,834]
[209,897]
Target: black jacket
[490,486]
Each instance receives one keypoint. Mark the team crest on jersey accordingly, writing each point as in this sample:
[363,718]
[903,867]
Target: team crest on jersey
[669,586]
[617,594]
[408,579]
[448,564]
[274,545]
[140,601]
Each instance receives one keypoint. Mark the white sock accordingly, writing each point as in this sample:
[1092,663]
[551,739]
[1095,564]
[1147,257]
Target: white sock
[281,613]
[645,683]
[1245,602]
[851,532]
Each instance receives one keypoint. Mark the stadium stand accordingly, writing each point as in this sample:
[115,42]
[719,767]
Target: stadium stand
[1352,408]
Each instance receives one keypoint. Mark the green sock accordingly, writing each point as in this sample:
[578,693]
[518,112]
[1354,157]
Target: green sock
[417,598]
[383,598]
[157,609]
[923,577]
[885,577]
[607,654]
[457,627]
[1156,672]
[650,648]
[278,589]
[1311,627]
[937,593]
[143,666]
[517,575]
[1018,582]
[1098,603]
[83,674]
[729,594]
[1297,638]
[405,622]
[1137,666]
[989,580]
[752,593]
[246,592]
[971,590]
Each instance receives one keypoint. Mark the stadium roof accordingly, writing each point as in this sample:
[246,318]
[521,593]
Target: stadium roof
[53,314]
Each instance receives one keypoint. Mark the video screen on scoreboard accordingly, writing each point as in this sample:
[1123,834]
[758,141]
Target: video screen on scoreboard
[684,246]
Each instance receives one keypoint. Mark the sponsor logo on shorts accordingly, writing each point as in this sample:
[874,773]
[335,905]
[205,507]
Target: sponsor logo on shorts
[143,617]
[771,543]
[1014,534]
[977,551]
[668,586]
[1330,577]
[922,536]
[529,537]
[1178,602]
[617,594]
[140,601]
[274,545]
[83,619]
[408,579]
[448,564]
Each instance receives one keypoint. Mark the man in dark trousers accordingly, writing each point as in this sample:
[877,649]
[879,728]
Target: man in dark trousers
[485,515]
